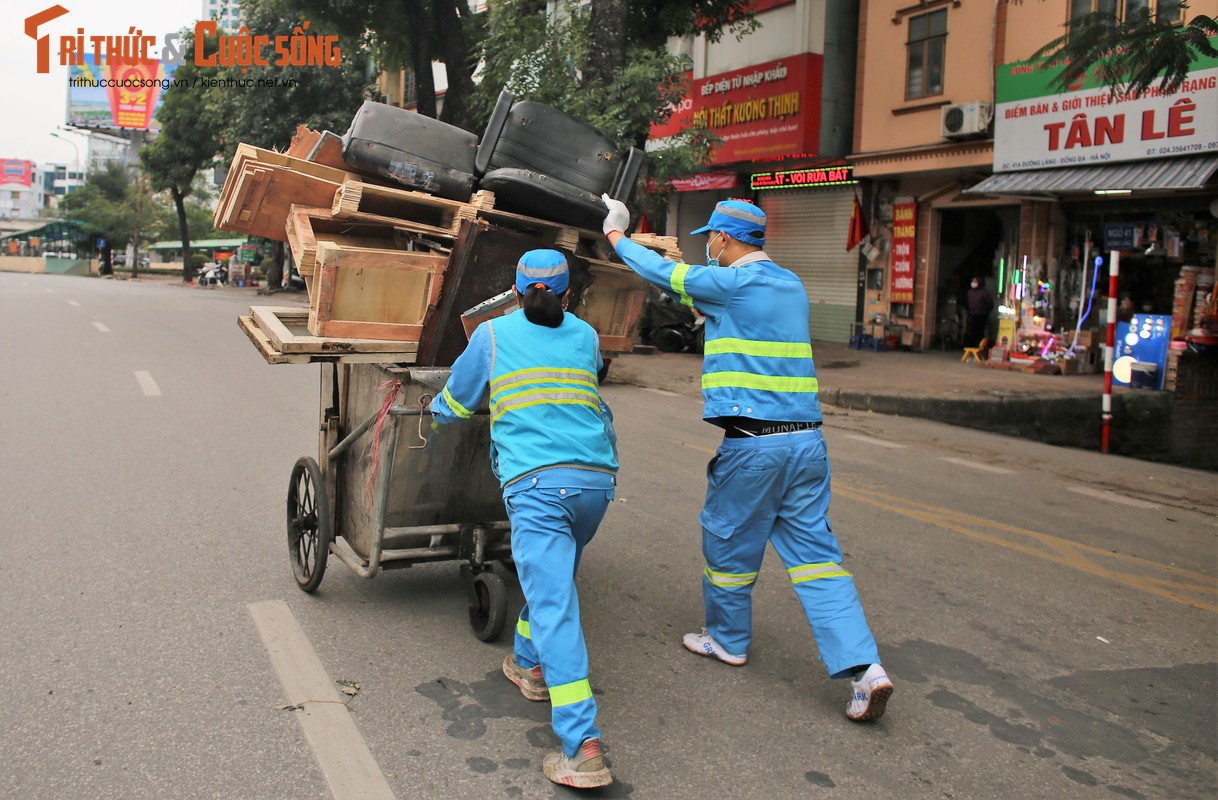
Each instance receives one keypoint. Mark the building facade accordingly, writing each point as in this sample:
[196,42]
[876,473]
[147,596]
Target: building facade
[781,101]
[21,192]
[976,168]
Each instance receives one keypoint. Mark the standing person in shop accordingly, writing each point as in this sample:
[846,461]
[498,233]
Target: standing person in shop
[554,452]
[979,304]
[769,480]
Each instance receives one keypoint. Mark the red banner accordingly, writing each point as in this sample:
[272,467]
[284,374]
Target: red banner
[16,171]
[769,110]
[707,180]
[904,230]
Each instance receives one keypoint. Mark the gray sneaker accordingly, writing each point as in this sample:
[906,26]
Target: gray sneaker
[584,770]
[532,684]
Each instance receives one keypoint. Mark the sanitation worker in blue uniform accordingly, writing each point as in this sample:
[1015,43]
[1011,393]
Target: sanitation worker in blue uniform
[769,480]
[554,452]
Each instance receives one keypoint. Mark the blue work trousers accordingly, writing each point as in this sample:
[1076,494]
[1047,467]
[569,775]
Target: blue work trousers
[554,514]
[776,489]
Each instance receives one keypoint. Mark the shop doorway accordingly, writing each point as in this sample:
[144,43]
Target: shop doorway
[973,242]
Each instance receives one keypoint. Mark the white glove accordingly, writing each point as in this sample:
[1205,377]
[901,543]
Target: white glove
[618,218]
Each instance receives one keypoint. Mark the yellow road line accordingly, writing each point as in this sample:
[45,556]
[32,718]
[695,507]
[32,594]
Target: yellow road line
[1049,548]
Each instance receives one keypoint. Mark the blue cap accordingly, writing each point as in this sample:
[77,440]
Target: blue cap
[548,267]
[739,220]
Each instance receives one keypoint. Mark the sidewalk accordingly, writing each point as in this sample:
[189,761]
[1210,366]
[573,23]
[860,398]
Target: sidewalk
[1055,409]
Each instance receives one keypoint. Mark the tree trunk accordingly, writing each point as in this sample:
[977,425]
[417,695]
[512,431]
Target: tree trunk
[454,52]
[274,271]
[179,201]
[607,46]
[420,57]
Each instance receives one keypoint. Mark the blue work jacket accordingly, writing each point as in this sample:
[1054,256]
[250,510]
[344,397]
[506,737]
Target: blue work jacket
[757,360]
[546,410]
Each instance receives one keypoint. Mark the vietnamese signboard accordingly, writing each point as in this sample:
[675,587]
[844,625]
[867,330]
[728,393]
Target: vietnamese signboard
[16,171]
[904,236]
[769,110]
[1036,128]
[806,178]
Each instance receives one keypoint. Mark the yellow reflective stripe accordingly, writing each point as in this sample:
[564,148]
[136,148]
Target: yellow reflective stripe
[811,572]
[568,693]
[542,374]
[522,627]
[458,409]
[728,579]
[543,393]
[534,384]
[677,282]
[749,380]
[547,401]
[749,347]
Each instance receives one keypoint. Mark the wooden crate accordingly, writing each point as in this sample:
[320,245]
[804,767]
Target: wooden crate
[374,294]
[263,185]
[280,335]
[613,304]
[415,211]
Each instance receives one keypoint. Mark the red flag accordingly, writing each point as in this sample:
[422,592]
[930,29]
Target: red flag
[858,226]
[644,224]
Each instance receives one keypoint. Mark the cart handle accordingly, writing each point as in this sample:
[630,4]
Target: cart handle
[394,410]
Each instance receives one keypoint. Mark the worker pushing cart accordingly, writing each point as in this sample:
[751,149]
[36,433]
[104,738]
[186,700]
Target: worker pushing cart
[553,450]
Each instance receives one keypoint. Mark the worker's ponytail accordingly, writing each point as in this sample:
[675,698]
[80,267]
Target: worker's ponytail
[542,307]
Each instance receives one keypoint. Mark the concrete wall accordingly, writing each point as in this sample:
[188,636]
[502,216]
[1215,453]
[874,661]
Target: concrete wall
[23,264]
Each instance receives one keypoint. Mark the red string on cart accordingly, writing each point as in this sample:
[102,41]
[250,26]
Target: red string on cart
[391,389]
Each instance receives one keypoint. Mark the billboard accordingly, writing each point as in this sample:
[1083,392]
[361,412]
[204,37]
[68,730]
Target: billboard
[16,171]
[112,97]
[1038,128]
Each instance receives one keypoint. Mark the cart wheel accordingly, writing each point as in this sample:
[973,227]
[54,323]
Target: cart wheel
[488,606]
[308,524]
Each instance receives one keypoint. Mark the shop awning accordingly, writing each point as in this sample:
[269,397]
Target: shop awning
[1161,174]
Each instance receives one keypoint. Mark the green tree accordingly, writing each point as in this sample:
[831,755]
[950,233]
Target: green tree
[188,141]
[109,204]
[1129,55]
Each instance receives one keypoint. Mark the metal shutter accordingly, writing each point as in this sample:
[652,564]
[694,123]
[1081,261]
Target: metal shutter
[806,233]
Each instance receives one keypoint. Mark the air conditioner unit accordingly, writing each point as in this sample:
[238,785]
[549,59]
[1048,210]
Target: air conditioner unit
[964,119]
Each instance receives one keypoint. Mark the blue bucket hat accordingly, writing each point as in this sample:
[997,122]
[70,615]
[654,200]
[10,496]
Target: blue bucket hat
[547,267]
[739,220]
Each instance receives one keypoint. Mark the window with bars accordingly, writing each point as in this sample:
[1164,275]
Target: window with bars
[926,45]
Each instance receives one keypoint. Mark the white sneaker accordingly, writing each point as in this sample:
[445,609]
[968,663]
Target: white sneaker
[704,645]
[869,694]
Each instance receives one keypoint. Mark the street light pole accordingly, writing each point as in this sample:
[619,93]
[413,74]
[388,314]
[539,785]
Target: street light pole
[67,189]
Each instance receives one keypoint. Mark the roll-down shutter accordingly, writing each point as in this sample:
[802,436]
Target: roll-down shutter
[806,233]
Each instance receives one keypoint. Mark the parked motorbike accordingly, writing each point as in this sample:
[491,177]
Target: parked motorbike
[213,274]
[669,325]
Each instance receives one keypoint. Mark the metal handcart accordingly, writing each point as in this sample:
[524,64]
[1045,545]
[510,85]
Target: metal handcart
[387,491]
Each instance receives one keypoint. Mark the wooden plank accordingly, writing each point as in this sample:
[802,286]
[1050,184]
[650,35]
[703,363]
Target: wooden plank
[303,142]
[438,214]
[267,350]
[328,151]
[375,294]
[263,196]
[283,160]
[286,327]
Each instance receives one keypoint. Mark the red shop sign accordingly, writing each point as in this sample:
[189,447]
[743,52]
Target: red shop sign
[904,230]
[768,110]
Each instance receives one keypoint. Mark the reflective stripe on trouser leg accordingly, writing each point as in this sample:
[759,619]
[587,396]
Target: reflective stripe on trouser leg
[548,535]
[804,541]
[526,651]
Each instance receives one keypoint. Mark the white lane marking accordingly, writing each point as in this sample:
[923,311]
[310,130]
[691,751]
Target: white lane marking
[147,383]
[1104,494]
[664,392]
[73,303]
[101,327]
[964,462]
[880,442]
[344,757]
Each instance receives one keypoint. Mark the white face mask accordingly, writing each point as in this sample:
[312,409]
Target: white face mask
[713,261]
[973,284]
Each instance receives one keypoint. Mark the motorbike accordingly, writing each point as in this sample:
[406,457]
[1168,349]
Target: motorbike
[213,274]
[671,326]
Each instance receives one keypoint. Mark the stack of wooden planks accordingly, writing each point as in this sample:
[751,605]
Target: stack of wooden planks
[398,267]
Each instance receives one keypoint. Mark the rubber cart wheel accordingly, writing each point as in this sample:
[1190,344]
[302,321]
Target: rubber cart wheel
[309,533]
[487,606]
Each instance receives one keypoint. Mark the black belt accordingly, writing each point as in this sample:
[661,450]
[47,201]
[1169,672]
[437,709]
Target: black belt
[744,427]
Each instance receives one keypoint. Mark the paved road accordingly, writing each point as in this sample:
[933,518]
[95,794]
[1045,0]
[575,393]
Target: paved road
[1048,614]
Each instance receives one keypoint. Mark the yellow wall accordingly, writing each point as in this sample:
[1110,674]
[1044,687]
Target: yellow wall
[23,264]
